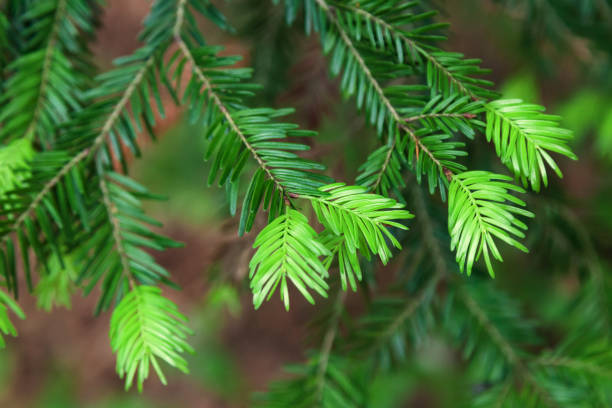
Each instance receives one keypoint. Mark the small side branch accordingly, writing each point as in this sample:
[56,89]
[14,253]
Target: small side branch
[328,342]
[111,211]
[419,146]
[227,115]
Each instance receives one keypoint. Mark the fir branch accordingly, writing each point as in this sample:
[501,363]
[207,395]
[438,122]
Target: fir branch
[450,114]
[339,389]
[481,316]
[85,153]
[288,250]
[383,168]
[111,211]
[530,133]
[574,364]
[431,156]
[414,47]
[523,137]
[208,88]
[448,73]
[504,346]
[384,327]
[361,218]
[6,326]
[347,40]
[145,327]
[417,118]
[237,132]
[419,146]
[410,308]
[47,61]
[44,84]
[57,202]
[328,343]
[114,251]
[480,208]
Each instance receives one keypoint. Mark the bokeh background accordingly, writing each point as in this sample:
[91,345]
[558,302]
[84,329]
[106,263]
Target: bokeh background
[62,358]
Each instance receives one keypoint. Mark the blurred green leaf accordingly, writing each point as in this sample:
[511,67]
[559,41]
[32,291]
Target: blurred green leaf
[583,111]
[521,86]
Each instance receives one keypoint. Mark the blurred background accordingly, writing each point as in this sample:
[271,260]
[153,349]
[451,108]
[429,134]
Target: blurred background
[556,53]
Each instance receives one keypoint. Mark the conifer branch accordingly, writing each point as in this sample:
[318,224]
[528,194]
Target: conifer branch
[391,321]
[47,61]
[349,43]
[439,115]
[419,146]
[111,211]
[145,327]
[88,151]
[574,364]
[180,18]
[383,168]
[45,81]
[411,45]
[67,201]
[429,237]
[504,394]
[410,308]
[523,136]
[490,328]
[228,117]
[594,265]
[506,348]
[481,316]
[328,342]
[480,208]
[288,251]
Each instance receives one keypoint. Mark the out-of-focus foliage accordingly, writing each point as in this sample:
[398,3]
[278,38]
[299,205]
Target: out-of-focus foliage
[414,139]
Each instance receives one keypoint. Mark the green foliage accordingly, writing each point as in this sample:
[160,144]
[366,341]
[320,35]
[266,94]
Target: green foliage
[146,327]
[118,243]
[14,163]
[356,222]
[50,73]
[403,30]
[480,209]
[361,218]
[450,115]
[490,328]
[56,287]
[288,250]
[236,132]
[6,326]
[392,323]
[4,42]
[551,21]
[382,170]
[523,136]
[314,385]
[580,364]
[69,209]
[31,216]
[432,155]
